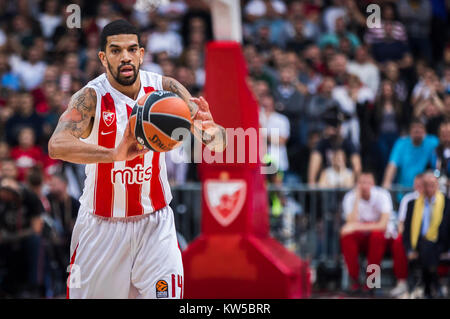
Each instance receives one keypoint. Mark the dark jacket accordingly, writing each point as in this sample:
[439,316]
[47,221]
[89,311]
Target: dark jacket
[442,243]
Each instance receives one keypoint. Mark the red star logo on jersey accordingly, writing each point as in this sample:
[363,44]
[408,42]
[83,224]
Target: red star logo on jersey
[108,117]
[225,199]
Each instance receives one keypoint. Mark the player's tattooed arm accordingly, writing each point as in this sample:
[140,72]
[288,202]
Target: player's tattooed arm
[77,122]
[79,116]
[204,128]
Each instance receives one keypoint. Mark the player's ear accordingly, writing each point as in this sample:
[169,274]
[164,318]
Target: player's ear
[102,57]
[142,53]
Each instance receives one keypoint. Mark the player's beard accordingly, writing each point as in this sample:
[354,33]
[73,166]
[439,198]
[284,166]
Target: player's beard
[125,81]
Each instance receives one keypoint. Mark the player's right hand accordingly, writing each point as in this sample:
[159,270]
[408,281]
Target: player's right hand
[128,148]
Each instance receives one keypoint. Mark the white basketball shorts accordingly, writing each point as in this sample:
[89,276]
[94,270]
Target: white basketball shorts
[137,257]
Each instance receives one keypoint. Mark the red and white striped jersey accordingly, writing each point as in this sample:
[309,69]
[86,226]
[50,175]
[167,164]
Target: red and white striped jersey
[126,188]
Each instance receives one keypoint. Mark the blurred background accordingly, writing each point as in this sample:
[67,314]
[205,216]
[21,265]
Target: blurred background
[342,95]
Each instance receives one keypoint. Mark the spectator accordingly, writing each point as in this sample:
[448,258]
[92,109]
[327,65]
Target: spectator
[365,69]
[366,211]
[259,71]
[392,73]
[430,111]
[427,86]
[8,79]
[351,98]
[31,70]
[332,13]
[396,241]
[290,101]
[416,15]
[299,157]
[410,156]
[426,234]
[63,211]
[337,175]
[440,159]
[27,154]
[194,62]
[389,42]
[25,115]
[338,68]
[50,18]
[332,140]
[9,169]
[340,32]
[383,124]
[299,41]
[163,39]
[21,226]
[319,103]
[389,23]
[272,120]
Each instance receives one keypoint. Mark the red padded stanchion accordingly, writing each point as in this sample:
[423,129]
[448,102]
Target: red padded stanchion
[234,257]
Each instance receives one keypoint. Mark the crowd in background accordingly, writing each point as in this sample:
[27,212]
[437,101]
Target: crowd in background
[345,97]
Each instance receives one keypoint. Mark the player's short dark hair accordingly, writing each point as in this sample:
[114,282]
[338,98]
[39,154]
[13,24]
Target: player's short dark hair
[117,27]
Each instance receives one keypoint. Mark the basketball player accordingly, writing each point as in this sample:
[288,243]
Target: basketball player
[124,241]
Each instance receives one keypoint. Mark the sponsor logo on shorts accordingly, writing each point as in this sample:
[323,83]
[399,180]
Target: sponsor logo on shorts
[162,290]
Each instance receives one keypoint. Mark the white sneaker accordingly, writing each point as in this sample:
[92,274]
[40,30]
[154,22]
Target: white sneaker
[400,289]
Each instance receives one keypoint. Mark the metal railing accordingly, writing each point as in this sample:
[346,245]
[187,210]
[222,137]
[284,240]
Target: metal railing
[306,220]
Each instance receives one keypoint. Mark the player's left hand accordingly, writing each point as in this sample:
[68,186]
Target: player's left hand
[205,128]
[203,113]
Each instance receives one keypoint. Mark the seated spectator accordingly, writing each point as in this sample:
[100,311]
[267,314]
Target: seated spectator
[425,236]
[440,159]
[271,120]
[410,156]
[337,175]
[395,242]
[366,211]
[332,140]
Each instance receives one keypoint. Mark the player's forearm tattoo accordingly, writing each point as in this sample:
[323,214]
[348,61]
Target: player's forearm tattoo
[172,85]
[79,113]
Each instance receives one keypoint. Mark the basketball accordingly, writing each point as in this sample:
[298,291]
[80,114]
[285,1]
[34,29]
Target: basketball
[156,120]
